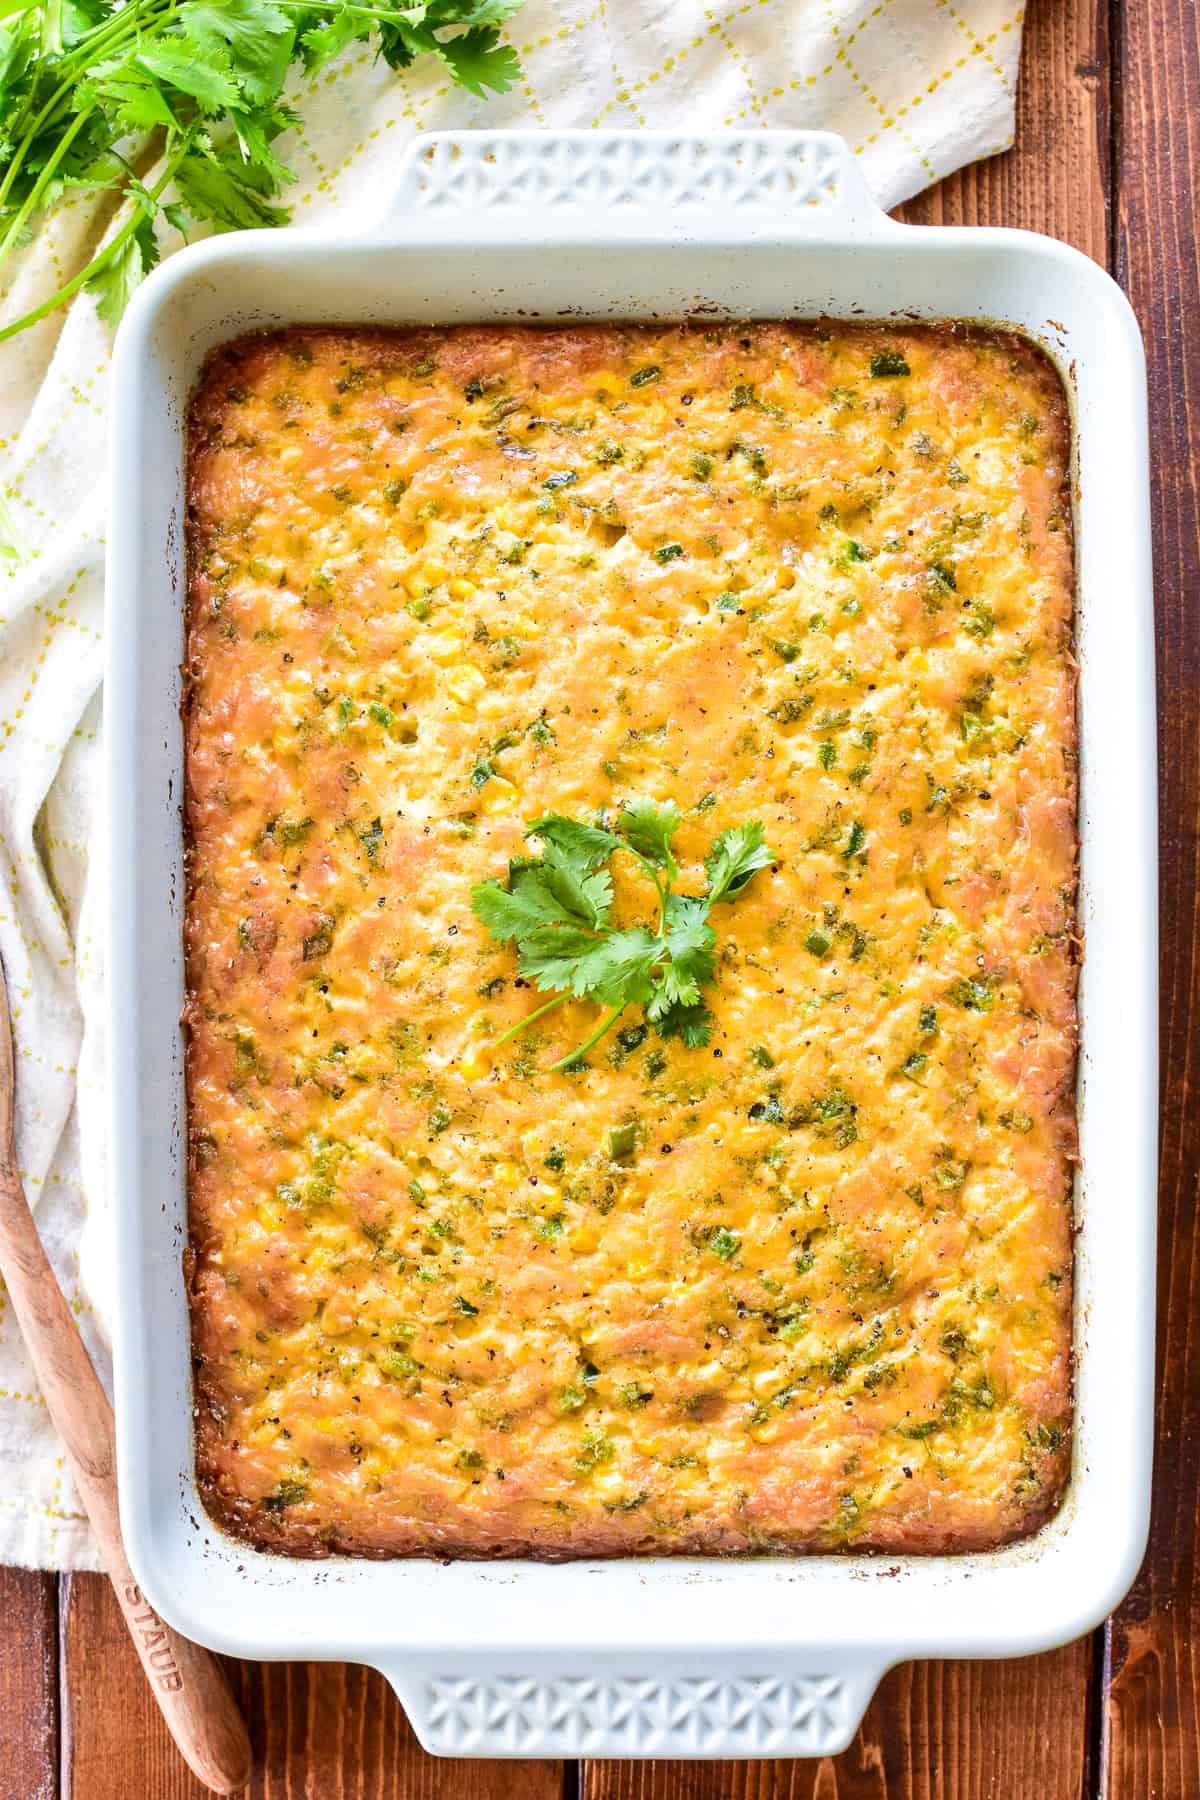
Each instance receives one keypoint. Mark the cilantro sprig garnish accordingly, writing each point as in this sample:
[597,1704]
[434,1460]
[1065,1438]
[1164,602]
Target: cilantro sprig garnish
[91,91]
[557,910]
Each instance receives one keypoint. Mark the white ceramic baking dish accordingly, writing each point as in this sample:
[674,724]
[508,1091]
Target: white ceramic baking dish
[656,1656]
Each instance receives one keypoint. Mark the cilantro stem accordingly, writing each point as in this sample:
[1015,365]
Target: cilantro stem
[102,257]
[558,912]
[91,48]
[545,1007]
[581,1051]
[659,888]
[32,199]
[52,28]
[390,15]
[663,891]
[75,88]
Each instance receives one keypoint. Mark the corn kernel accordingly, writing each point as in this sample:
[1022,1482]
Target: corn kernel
[609,1484]
[548,1192]
[500,796]
[443,646]
[465,682]
[461,589]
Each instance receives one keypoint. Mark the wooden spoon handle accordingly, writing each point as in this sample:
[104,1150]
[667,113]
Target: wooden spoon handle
[188,1683]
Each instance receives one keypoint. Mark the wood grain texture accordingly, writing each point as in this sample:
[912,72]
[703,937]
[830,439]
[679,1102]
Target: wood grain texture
[1015,1731]
[1057,178]
[1151,1726]
[325,1731]
[935,1731]
[187,1682]
[28,1686]
[970,1731]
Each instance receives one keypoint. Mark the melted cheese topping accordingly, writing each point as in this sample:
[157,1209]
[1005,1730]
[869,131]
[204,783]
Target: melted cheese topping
[816,1292]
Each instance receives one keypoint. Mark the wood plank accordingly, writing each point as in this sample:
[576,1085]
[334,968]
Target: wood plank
[935,1731]
[1056,179]
[969,1731]
[1151,1726]
[322,1731]
[28,1685]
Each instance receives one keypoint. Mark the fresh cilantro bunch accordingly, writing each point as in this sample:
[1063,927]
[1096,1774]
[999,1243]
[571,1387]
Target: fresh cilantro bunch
[558,911]
[174,106]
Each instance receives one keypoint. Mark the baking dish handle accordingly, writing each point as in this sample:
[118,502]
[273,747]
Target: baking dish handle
[741,186]
[716,1709]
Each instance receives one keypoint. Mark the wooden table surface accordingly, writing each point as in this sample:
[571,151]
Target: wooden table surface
[1108,136]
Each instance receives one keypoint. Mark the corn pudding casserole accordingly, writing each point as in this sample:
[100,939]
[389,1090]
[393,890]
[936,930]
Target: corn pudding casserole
[758,1235]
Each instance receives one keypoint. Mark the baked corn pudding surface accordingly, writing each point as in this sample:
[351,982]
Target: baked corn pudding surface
[805,1286]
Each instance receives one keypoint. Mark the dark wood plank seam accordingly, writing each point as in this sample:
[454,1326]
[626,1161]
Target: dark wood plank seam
[1103,1763]
[28,1685]
[1104,70]
[1094,1719]
[56,1725]
[62,1606]
[1096,1764]
[1116,128]
[1151,1735]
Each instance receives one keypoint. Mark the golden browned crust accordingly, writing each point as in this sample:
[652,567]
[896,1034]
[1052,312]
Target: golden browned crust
[442,582]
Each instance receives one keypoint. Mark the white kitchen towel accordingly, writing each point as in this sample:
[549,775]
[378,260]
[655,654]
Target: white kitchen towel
[917,87]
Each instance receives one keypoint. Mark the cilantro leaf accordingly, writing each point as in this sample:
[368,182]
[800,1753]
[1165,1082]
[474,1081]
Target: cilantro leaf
[320,44]
[136,103]
[648,828]
[204,72]
[689,942]
[223,189]
[735,856]
[18,47]
[115,281]
[557,911]
[617,968]
[585,896]
[587,842]
[524,906]
[689,936]
[256,34]
[692,1025]
[478,61]
[550,955]
[205,80]
[470,12]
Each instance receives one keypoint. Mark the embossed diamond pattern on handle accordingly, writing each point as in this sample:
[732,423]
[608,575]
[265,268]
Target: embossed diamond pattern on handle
[761,1715]
[772,175]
